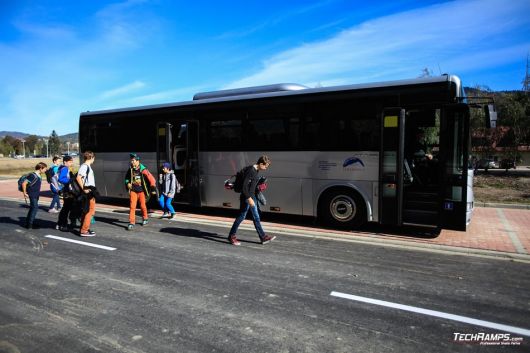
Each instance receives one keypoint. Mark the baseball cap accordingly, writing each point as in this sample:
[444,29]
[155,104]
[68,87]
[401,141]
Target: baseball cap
[134,156]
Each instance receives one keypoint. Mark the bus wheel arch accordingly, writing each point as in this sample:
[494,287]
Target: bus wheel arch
[343,207]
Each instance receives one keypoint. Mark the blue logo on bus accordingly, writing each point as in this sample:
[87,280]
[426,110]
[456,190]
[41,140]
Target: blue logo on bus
[352,161]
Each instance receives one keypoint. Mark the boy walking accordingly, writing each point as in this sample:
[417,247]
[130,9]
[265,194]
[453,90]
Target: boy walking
[168,186]
[247,200]
[31,189]
[138,180]
[55,206]
[85,178]
[70,207]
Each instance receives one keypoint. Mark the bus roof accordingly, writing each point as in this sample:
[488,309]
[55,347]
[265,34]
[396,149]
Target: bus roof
[283,89]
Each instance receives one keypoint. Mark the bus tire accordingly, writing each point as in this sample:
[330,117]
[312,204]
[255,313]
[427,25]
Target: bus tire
[342,208]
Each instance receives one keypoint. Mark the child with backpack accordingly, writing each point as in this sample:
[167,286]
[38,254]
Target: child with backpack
[86,180]
[246,183]
[169,186]
[137,179]
[30,187]
[55,206]
[71,209]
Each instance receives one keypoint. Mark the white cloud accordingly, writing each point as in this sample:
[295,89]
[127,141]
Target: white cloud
[126,89]
[400,45]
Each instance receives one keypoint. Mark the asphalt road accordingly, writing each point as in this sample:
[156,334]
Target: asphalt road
[178,287]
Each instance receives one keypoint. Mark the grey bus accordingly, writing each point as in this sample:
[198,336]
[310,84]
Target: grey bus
[344,154]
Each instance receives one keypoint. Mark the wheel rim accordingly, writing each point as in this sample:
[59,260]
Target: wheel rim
[342,208]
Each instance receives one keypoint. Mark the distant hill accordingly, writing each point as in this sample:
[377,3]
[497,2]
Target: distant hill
[16,134]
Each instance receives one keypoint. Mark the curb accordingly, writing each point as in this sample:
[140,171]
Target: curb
[517,206]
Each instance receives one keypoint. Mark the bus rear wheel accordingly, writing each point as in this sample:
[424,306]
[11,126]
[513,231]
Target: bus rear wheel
[343,208]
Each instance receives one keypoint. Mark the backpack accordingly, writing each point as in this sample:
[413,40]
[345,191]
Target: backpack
[23,178]
[240,177]
[55,183]
[50,172]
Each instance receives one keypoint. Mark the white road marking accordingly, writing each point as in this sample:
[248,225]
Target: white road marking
[467,320]
[81,242]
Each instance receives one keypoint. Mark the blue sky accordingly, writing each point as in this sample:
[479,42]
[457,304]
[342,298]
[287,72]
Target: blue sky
[60,58]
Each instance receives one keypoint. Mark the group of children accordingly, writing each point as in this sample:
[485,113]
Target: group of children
[139,182]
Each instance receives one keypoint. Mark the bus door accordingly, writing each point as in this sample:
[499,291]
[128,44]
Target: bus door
[178,143]
[454,154]
[391,166]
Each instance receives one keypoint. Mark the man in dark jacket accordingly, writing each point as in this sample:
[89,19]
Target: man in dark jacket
[247,200]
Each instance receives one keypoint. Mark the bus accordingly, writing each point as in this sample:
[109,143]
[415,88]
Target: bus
[344,154]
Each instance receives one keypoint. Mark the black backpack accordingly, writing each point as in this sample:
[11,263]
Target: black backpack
[240,177]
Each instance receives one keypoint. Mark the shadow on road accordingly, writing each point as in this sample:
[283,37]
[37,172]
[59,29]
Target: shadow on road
[194,233]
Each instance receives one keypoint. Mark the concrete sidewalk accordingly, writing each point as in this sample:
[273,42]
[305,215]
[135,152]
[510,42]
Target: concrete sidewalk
[493,232]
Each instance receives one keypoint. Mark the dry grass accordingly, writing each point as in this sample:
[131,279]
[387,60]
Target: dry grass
[502,187]
[10,167]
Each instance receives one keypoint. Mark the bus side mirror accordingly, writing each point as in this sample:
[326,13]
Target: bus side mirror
[491,116]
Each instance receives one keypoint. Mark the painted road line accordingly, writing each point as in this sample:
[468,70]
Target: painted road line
[81,242]
[467,320]
[511,233]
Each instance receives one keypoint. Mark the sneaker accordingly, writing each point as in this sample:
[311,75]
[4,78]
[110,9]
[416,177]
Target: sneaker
[144,222]
[166,214]
[233,240]
[53,210]
[130,227]
[88,233]
[172,216]
[61,228]
[267,239]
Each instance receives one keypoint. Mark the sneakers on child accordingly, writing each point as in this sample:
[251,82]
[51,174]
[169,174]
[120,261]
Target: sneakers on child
[144,222]
[88,233]
[267,239]
[53,210]
[130,227]
[233,240]
[172,216]
[165,215]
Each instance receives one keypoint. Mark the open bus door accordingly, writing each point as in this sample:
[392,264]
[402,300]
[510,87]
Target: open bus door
[178,143]
[391,166]
[456,182]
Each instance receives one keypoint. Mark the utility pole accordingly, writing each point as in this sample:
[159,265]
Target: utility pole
[526,81]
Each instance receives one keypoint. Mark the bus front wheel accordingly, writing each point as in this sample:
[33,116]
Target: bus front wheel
[343,208]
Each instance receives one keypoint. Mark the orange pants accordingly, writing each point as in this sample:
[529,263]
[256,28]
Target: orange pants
[87,217]
[135,197]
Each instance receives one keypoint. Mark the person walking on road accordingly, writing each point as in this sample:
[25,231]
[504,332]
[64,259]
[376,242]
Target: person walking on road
[55,205]
[31,189]
[87,181]
[70,209]
[137,179]
[169,186]
[247,200]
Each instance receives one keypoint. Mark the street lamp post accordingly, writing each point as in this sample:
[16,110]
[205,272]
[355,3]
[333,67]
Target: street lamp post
[46,142]
[23,148]
[68,144]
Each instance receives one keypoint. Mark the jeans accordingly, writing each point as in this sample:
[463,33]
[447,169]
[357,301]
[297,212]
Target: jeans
[33,208]
[56,201]
[244,207]
[165,204]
